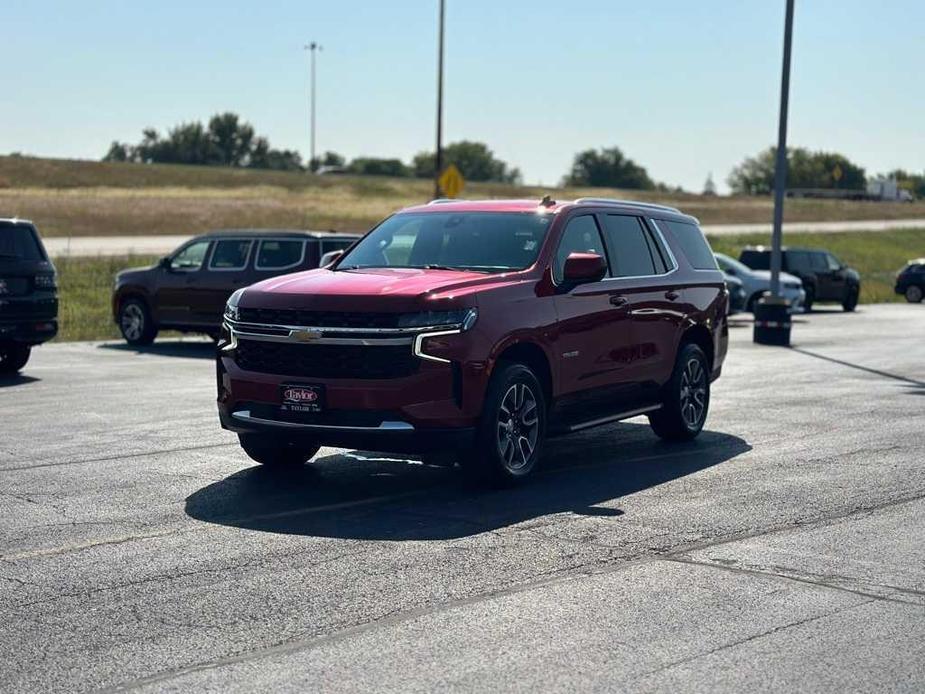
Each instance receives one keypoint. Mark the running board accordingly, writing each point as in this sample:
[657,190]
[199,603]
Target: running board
[611,418]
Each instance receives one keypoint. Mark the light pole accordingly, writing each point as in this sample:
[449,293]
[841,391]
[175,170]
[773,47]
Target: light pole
[780,168]
[438,156]
[313,47]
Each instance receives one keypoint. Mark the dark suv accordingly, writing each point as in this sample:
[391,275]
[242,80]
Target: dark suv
[910,281]
[187,289]
[825,278]
[28,294]
[480,328]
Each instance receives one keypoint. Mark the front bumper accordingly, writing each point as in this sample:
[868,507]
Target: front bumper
[796,297]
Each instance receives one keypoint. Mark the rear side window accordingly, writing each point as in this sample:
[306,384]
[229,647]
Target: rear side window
[276,254]
[631,252]
[756,260]
[580,236]
[693,244]
[19,242]
[230,254]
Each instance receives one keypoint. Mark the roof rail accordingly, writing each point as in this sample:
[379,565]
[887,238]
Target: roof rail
[443,201]
[636,203]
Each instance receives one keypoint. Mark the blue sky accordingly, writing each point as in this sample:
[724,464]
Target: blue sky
[683,87]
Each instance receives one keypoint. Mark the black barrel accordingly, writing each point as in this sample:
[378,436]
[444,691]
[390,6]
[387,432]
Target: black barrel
[772,321]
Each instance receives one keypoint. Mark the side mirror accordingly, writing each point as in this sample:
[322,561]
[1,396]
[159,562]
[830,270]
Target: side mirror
[731,271]
[329,258]
[583,267]
[164,263]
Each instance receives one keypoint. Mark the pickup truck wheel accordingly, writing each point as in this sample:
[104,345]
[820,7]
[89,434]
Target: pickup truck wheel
[13,357]
[511,432]
[914,294]
[136,324]
[686,398]
[808,301]
[851,301]
[271,451]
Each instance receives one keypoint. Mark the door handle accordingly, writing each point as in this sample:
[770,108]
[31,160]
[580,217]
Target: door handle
[618,301]
[671,295]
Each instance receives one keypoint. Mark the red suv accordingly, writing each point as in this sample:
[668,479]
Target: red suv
[479,329]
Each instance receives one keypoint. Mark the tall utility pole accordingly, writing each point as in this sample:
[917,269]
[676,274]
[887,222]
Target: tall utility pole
[780,168]
[438,163]
[313,47]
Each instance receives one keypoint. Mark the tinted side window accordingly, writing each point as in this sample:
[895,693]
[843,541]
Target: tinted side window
[693,244]
[191,257]
[335,245]
[756,260]
[230,254]
[630,250]
[277,254]
[580,236]
[819,263]
[798,261]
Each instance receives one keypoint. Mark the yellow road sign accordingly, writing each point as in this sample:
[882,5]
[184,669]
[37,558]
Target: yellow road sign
[837,173]
[451,181]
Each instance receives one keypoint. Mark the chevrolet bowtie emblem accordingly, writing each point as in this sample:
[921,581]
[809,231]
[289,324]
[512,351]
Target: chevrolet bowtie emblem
[305,335]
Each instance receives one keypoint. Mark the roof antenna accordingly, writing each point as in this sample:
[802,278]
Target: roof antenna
[547,201]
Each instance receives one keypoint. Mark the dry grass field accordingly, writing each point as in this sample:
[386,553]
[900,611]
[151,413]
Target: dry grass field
[85,198]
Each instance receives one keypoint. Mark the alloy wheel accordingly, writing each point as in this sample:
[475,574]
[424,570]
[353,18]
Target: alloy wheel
[518,427]
[693,393]
[132,321]
[914,294]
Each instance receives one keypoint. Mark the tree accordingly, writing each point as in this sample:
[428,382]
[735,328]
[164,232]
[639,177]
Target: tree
[373,166]
[608,167]
[805,169]
[226,141]
[475,161]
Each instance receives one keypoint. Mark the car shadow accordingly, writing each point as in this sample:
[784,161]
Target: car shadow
[17,380]
[191,349]
[376,497]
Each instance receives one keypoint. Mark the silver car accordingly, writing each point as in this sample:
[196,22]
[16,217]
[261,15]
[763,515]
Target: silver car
[756,282]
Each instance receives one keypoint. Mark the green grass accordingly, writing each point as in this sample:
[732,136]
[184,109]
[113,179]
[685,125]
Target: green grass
[85,290]
[86,283]
[876,255]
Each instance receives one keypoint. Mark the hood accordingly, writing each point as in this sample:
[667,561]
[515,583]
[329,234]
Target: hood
[784,276]
[385,289]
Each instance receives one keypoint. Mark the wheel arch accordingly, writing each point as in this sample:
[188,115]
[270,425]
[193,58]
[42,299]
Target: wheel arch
[534,356]
[699,335]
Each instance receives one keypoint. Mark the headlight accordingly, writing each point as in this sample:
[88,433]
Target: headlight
[231,307]
[462,319]
[46,282]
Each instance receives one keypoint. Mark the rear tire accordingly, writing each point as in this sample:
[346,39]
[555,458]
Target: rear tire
[270,450]
[512,430]
[686,397]
[135,323]
[13,357]
[851,301]
[914,294]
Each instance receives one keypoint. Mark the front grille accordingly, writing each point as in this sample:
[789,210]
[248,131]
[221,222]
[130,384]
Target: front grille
[326,361]
[14,286]
[318,319]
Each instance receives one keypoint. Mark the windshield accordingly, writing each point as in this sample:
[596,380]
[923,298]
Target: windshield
[727,263]
[475,241]
[19,241]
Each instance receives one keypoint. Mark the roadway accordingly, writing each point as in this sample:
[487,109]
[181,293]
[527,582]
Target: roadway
[84,246]
[141,550]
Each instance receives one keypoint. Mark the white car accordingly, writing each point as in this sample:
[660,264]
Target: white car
[756,282]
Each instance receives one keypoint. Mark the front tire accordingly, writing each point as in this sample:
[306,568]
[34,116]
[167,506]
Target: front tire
[135,323]
[914,294]
[808,301]
[686,397]
[851,301]
[13,357]
[274,452]
[512,430]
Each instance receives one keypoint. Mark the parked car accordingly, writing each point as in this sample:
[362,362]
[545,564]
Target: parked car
[910,281]
[757,282]
[187,289]
[480,328]
[28,294]
[825,278]
[737,295]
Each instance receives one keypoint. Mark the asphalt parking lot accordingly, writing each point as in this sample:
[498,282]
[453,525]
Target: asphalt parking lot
[140,549]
